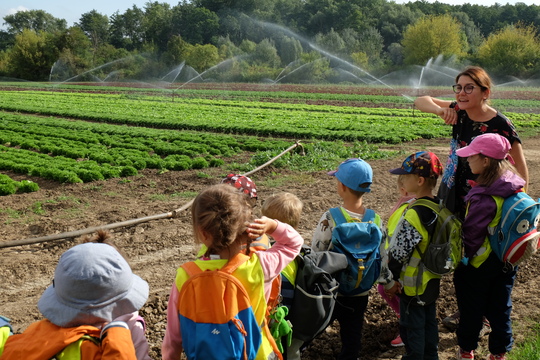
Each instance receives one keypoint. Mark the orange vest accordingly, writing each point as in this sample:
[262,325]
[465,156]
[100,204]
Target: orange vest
[43,340]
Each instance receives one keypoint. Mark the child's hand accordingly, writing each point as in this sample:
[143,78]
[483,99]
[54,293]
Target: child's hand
[396,289]
[261,226]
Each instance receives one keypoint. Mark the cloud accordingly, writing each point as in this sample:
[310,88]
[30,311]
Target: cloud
[16,10]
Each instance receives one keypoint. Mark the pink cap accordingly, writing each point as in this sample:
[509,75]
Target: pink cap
[491,145]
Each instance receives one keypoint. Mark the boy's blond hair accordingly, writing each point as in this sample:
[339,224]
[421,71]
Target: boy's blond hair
[283,206]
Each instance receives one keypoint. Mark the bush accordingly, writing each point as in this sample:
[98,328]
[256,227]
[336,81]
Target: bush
[199,163]
[26,186]
[139,164]
[128,171]
[216,162]
[8,188]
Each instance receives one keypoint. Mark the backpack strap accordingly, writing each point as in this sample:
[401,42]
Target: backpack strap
[369,215]
[338,214]
[192,268]
[234,263]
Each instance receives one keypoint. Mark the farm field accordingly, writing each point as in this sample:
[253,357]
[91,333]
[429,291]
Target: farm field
[239,127]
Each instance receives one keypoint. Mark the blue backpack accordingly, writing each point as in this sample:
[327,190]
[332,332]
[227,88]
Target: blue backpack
[360,241]
[515,238]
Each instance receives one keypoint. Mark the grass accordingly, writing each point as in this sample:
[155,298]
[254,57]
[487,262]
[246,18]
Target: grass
[529,349]
[168,197]
[277,180]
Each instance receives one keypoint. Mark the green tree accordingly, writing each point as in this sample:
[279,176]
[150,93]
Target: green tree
[472,32]
[75,54]
[331,42]
[95,26]
[289,49]
[176,50]
[158,24]
[432,36]
[36,20]
[195,25]
[266,54]
[126,30]
[32,56]
[515,50]
[6,40]
[371,43]
[202,57]
[227,49]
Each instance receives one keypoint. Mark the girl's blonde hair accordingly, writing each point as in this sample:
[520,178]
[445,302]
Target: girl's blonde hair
[494,170]
[222,212]
[285,207]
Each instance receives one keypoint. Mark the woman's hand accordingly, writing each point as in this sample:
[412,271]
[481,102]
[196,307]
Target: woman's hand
[449,115]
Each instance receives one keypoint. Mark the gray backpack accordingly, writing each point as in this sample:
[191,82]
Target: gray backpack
[315,292]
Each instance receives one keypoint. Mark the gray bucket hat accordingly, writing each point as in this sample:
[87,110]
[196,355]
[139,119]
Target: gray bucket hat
[92,284]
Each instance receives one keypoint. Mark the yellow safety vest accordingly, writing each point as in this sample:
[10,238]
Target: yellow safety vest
[413,276]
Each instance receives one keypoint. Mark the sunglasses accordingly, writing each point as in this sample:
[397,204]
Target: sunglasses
[467,88]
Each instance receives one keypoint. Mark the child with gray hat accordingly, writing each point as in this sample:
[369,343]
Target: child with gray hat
[93,285]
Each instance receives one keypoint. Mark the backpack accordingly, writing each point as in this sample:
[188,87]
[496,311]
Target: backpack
[315,292]
[515,238]
[444,250]
[227,328]
[360,242]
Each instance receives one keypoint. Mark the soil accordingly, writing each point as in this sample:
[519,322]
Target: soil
[156,248]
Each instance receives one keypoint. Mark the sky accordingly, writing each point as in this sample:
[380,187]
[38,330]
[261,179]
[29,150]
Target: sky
[72,10]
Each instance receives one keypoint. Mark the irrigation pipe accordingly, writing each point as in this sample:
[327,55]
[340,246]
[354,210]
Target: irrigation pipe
[171,214]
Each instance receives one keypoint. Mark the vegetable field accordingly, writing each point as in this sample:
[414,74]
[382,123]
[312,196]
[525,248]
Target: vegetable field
[85,133]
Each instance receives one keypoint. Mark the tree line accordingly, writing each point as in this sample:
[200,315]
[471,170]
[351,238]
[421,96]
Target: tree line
[253,40]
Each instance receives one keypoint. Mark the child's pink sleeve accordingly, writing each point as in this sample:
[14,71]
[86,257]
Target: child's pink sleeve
[276,258]
[171,348]
[136,325]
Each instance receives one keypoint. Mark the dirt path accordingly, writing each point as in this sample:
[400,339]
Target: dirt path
[157,248]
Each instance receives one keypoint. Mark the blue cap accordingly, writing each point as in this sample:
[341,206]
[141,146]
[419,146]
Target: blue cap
[354,172]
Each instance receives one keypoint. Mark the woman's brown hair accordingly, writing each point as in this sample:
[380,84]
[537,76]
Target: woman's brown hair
[222,212]
[479,76]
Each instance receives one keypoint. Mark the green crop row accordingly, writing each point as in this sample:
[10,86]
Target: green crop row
[78,151]
[375,94]
[253,118]
[258,121]
[9,186]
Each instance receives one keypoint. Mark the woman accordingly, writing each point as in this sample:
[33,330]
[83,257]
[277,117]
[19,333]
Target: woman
[470,115]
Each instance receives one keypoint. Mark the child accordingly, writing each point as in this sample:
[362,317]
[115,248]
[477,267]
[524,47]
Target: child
[93,285]
[287,208]
[483,283]
[354,178]
[134,321]
[244,184]
[222,220]
[395,216]
[418,313]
